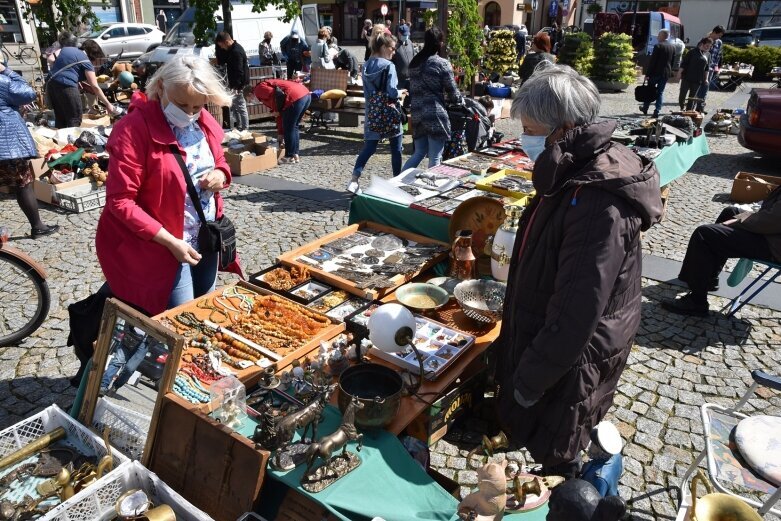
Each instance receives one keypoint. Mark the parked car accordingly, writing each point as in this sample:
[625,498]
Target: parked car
[768,36]
[760,126]
[739,39]
[153,364]
[132,40]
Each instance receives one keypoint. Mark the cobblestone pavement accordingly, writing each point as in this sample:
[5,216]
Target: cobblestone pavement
[676,364]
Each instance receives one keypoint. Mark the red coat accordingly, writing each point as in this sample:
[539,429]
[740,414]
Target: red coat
[145,191]
[294,91]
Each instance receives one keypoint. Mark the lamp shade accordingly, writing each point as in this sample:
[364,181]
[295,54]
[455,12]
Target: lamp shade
[391,328]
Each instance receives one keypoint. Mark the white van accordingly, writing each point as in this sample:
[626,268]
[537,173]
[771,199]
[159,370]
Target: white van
[248,30]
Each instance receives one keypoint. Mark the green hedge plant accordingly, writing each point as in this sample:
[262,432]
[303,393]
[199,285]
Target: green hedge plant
[613,67]
[500,55]
[577,51]
[763,58]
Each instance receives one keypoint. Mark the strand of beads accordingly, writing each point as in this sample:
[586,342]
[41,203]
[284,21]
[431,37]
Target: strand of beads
[189,390]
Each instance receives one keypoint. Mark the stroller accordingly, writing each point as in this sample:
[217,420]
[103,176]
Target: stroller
[470,128]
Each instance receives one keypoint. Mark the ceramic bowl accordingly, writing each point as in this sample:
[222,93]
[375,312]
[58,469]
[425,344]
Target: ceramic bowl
[422,297]
[447,283]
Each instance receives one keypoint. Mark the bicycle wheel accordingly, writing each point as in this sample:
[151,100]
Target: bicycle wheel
[28,55]
[24,299]
[6,56]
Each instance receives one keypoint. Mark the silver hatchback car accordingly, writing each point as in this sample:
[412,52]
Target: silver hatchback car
[130,39]
[770,36]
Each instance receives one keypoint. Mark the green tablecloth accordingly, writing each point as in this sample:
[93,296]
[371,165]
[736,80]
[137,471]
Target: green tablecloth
[387,484]
[673,162]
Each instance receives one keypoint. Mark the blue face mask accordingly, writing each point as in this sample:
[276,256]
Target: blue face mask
[533,145]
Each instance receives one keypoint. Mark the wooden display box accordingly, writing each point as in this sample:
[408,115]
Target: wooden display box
[750,188]
[432,424]
[265,158]
[250,376]
[290,257]
[487,184]
[216,469]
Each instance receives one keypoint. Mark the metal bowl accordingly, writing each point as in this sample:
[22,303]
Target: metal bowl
[377,387]
[481,300]
[422,297]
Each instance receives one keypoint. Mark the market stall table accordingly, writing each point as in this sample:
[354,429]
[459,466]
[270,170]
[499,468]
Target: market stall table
[672,163]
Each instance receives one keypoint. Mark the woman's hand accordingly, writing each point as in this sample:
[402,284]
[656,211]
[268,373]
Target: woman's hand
[183,252]
[214,181]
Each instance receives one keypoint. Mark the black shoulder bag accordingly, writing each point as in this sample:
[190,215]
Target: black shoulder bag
[218,236]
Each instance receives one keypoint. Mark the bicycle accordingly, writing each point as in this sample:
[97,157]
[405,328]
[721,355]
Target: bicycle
[24,293]
[27,55]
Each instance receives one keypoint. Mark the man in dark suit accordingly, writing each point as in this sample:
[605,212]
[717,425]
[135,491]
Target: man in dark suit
[659,70]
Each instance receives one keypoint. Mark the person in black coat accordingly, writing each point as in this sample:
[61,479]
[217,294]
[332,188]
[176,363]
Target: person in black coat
[572,304]
[233,57]
[660,67]
[540,52]
[694,72]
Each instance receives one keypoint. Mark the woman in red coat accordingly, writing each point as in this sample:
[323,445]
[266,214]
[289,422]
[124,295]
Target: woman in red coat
[147,237]
[290,100]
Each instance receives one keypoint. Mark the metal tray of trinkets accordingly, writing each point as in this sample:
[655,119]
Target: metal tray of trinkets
[280,279]
[367,259]
[439,346]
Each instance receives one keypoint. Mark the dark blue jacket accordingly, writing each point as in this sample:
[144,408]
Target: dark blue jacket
[15,140]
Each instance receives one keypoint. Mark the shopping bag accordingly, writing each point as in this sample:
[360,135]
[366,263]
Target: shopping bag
[383,115]
[645,93]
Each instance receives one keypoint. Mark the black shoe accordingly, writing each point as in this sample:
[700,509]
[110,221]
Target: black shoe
[714,285]
[643,110]
[686,305]
[656,114]
[46,230]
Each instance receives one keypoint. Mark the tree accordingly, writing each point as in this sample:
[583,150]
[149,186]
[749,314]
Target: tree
[594,9]
[206,26]
[59,15]
[463,35]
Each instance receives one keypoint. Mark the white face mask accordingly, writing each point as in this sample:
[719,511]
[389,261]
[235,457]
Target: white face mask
[404,38]
[179,118]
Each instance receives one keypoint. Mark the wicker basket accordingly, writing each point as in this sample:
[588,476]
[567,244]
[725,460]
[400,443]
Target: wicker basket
[77,437]
[96,503]
[127,429]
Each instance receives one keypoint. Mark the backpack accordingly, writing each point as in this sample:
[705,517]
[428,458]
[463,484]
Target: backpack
[382,114]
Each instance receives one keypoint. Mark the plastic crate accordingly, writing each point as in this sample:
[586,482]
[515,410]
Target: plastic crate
[81,198]
[127,429]
[77,436]
[97,502]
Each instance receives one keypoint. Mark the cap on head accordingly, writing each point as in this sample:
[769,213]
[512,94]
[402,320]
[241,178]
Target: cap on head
[404,30]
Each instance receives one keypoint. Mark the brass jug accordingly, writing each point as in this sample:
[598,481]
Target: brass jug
[718,506]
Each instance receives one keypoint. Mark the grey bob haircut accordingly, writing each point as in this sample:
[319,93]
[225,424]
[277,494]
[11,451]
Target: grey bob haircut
[557,95]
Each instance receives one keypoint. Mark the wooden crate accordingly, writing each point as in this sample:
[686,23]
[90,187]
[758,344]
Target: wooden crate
[250,376]
[290,257]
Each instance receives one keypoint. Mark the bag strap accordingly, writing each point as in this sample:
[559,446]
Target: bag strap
[70,65]
[189,181]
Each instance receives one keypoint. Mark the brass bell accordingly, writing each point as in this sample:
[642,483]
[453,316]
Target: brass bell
[521,490]
[718,506]
[489,446]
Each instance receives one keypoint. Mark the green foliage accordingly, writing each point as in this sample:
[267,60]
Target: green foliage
[594,9]
[464,37]
[500,55]
[71,15]
[430,17]
[577,51]
[763,58]
[614,59]
[206,26]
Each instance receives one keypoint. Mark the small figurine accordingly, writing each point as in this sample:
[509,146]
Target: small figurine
[300,385]
[487,504]
[338,361]
[605,465]
[578,500]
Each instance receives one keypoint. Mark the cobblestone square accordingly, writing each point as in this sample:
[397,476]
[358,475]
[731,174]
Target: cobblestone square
[676,364]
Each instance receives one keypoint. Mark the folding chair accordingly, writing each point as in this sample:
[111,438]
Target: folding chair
[725,463]
[739,273]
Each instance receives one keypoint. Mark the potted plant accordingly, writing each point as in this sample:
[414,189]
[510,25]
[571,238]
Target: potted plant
[594,9]
[577,51]
[500,56]
[613,69]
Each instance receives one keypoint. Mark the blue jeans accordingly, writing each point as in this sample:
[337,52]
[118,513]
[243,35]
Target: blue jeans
[426,146]
[370,147]
[239,113]
[706,86]
[125,363]
[291,117]
[660,82]
[194,281]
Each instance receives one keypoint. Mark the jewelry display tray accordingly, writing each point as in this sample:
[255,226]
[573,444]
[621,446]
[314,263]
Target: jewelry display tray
[432,339]
[251,375]
[290,259]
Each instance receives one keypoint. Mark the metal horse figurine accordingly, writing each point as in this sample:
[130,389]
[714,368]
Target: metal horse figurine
[309,415]
[333,442]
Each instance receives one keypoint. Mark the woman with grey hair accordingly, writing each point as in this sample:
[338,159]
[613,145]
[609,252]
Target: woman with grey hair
[147,238]
[62,87]
[572,305]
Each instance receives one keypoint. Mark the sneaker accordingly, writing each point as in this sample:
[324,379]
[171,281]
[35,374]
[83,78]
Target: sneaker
[686,305]
[353,186]
[287,160]
[296,159]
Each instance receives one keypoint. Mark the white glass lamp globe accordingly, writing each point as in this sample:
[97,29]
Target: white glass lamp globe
[391,328]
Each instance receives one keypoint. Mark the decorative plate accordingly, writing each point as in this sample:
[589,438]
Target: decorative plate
[482,215]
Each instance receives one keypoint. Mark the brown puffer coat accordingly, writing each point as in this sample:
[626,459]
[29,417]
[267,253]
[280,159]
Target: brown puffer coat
[572,306]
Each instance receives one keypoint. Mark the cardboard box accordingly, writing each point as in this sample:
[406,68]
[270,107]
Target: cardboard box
[751,188]
[433,423]
[265,158]
[47,192]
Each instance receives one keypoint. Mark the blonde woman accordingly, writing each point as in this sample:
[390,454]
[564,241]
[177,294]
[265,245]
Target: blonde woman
[147,237]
